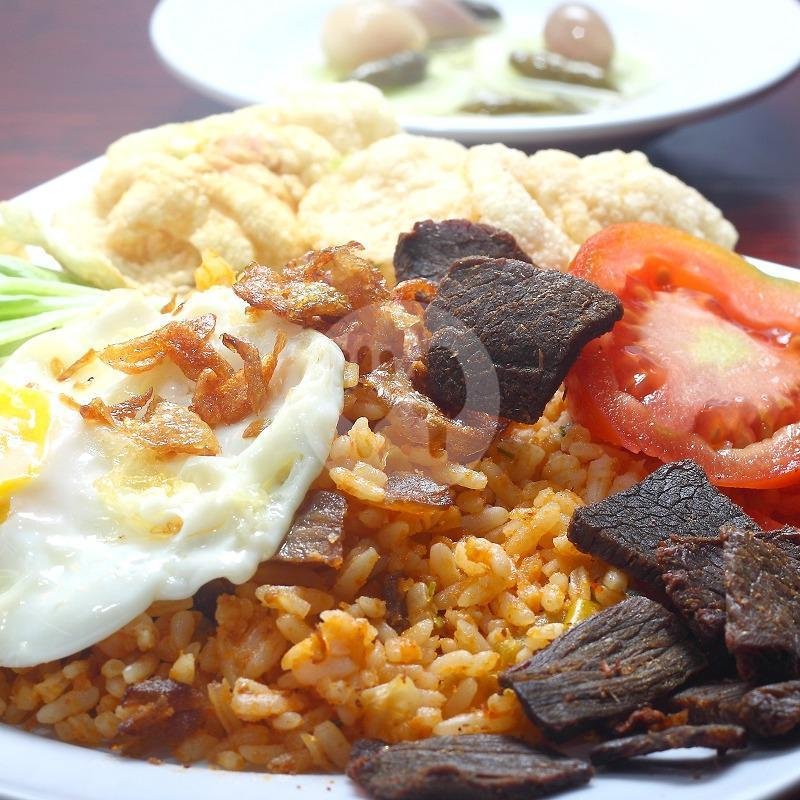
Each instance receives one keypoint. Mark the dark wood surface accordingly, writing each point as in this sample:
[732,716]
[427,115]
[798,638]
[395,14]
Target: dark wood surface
[77,74]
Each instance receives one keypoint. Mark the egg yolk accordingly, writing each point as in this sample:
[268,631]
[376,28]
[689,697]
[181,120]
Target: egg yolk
[24,422]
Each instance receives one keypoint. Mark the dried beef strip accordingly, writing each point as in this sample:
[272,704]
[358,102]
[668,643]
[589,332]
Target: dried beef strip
[413,492]
[394,597]
[766,711]
[788,539]
[773,710]
[693,578]
[715,703]
[607,666]
[691,568]
[431,247]
[205,598]
[762,630]
[626,528]
[156,700]
[470,767]
[716,737]
[160,713]
[315,536]
[645,719]
[532,323]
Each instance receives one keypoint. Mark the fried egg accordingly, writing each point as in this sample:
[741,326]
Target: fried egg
[93,526]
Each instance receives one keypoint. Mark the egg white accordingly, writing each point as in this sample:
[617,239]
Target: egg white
[79,558]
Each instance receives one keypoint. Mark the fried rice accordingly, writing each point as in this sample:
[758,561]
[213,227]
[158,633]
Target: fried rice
[404,641]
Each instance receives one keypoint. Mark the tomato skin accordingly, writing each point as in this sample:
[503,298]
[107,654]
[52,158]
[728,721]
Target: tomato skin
[610,255]
[745,295]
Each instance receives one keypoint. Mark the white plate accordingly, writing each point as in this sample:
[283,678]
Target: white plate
[33,767]
[703,55]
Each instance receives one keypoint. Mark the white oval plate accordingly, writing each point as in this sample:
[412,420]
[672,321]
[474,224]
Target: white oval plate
[701,56]
[34,767]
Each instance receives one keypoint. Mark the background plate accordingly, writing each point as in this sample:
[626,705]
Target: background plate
[37,768]
[703,55]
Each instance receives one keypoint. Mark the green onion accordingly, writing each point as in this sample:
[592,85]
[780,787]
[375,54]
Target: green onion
[28,305]
[18,268]
[34,300]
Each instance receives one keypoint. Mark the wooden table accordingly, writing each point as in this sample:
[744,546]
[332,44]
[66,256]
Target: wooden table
[77,74]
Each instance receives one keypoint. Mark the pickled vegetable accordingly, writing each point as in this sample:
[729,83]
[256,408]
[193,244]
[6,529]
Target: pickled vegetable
[401,69]
[484,11]
[576,31]
[490,103]
[554,67]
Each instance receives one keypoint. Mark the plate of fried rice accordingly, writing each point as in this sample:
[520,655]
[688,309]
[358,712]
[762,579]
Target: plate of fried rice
[182,642]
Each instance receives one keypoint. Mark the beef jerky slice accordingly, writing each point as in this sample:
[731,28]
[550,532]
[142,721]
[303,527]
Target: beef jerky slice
[205,598]
[788,539]
[766,711]
[762,630]
[316,533]
[772,710]
[714,703]
[717,737]
[413,492]
[431,247]
[394,597]
[471,767]
[160,714]
[642,719]
[626,528]
[531,322]
[607,666]
[691,569]
[693,578]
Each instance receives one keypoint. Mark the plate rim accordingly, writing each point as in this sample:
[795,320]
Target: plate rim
[69,773]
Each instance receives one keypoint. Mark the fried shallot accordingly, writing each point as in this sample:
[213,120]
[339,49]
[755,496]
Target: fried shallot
[76,366]
[233,398]
[165,428]
[97,411]
[221,395]
[185,342]
[169,429]
[316,289]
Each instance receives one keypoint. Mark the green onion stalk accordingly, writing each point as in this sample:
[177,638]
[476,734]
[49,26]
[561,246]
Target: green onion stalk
[35,299]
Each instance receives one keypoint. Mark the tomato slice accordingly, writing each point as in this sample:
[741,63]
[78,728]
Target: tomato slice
[705,363]
[608,257]
[770,508]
